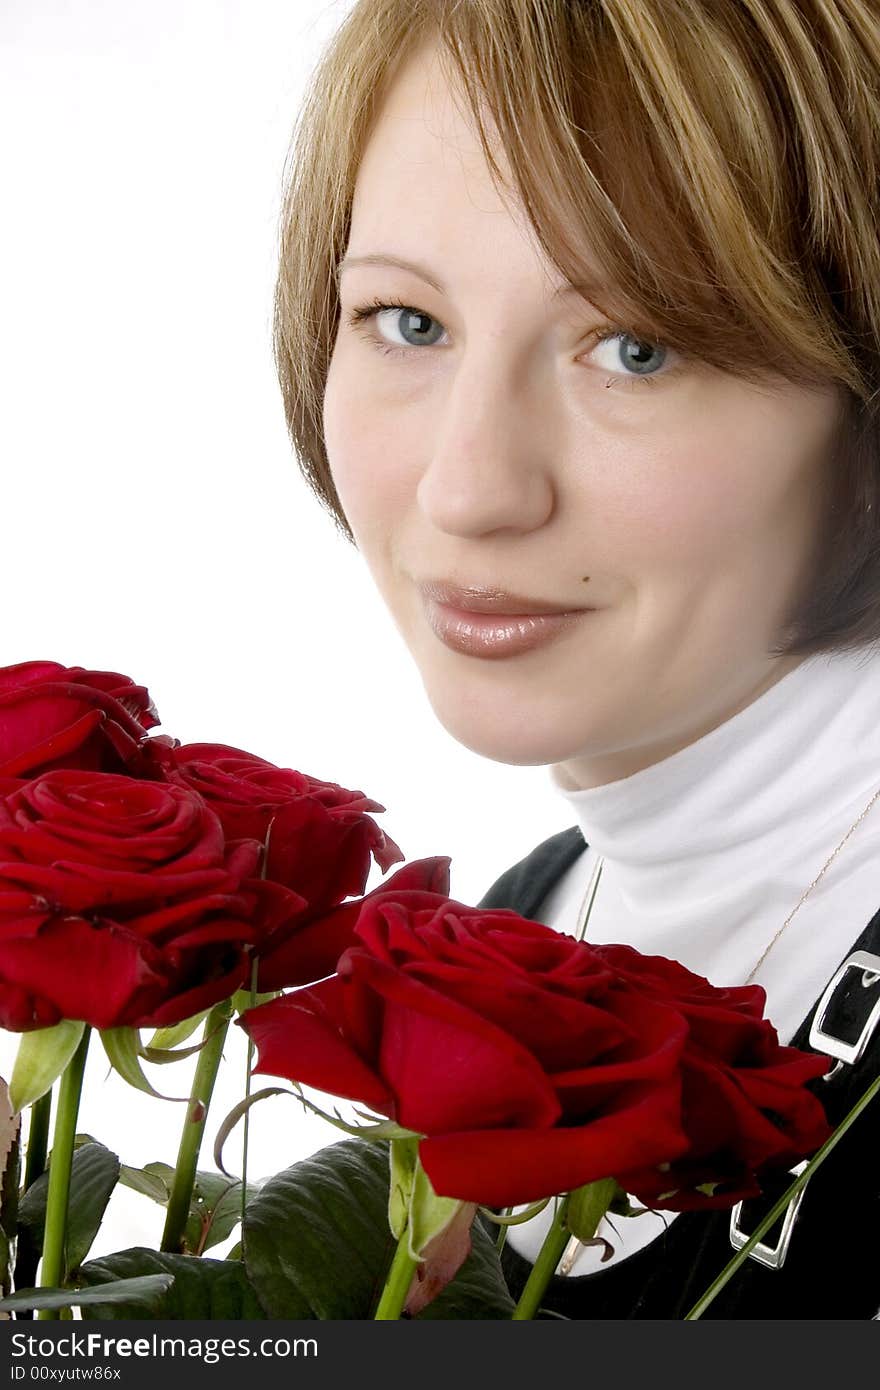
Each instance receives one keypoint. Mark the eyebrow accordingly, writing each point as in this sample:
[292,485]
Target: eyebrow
[584,290]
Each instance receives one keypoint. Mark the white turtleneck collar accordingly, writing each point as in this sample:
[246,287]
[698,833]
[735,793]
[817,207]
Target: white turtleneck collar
[708,851]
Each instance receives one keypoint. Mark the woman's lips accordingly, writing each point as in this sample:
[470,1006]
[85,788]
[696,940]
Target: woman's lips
[496,635]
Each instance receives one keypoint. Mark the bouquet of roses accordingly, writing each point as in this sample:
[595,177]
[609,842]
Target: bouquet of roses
[146,884]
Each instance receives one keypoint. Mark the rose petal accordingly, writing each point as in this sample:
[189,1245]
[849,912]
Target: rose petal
[447,1066]
[508,1167]
[298,1037]
[84,971]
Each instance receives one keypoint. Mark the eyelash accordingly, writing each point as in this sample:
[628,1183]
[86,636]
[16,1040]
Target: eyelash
[360,316]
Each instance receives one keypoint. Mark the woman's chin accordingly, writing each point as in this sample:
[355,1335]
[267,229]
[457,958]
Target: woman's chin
[506,732]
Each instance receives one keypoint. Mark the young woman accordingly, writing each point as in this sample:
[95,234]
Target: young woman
[578,329]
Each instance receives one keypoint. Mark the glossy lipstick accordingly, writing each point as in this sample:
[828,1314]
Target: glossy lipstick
[488,632]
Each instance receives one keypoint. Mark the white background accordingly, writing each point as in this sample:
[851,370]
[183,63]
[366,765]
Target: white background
[154,520]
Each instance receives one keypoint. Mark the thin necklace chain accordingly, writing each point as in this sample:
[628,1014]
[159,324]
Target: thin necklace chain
[573,1248]
[589,897]
[760,961]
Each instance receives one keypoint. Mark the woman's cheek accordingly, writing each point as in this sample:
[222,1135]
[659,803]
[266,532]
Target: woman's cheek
[697,505]
[373,469]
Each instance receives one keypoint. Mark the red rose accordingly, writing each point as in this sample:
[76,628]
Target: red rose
[57,716]
[519,1054]
[120,903]
[745,1105]
[321,837]
[312,948]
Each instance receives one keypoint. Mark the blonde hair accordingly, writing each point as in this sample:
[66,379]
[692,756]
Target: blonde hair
[720,159]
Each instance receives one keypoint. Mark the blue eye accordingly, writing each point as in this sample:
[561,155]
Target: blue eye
[420,328]
[403,314]
[634,352]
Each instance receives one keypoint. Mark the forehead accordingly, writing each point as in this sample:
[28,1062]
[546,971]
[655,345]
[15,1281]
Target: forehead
[425,193]
[423,118]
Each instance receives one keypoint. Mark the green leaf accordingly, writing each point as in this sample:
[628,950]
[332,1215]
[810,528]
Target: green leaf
[123,1048]
[136,1295]
[97,1173]
[149,1180]
[215,1208]
[10,1177]
[10,1125]
[5,1263]
[41,1058]
[317,1243]
[94,1173]
[201,1288]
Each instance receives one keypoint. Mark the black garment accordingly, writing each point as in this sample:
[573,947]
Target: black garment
[832,1269]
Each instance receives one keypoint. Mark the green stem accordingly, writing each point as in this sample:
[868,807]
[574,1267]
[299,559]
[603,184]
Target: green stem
[38,1139]
[177,1215]
[544,1267]
[27,1257]
[776,1211]
[501,1238]
[247,1114]
[397,1284]
[52,1269]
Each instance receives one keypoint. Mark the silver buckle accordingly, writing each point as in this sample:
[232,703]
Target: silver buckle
[821,1041]
[846,1054]
[773,1256]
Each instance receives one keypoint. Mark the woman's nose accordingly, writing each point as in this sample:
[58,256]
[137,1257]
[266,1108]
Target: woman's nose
[487,468]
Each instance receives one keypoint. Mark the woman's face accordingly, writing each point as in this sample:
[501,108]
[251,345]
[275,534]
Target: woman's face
[490,439]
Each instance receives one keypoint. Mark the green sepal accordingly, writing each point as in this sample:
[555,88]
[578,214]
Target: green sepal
[515,1218]
[404,1157]
[164,1045]
[428,1213]
[164,1039]
[383,1129]
[41,1058]
[248,999]
[622,1206]
[587,1205]
[161,1056]
[374,1129]
[123,1048]
[229,1121]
